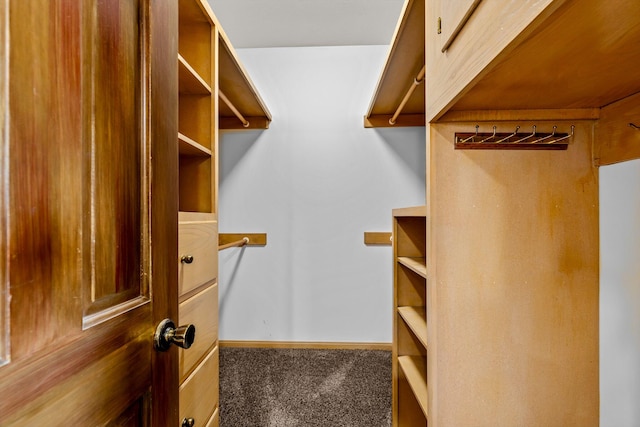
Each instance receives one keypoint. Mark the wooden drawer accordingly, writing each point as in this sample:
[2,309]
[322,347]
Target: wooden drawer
[197,239]
[214,421]
[199,393]
[200,310]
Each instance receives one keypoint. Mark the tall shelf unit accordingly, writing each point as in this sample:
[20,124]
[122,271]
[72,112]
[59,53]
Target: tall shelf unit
[208,71]
[512,235]
[410,397]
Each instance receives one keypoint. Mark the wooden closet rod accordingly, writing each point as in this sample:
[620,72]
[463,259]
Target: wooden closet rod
[233,108]
[416,82]
[241,242]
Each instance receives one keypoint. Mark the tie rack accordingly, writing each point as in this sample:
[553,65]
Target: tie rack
[515,140]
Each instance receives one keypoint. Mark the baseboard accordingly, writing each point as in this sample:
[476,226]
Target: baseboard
[308,345]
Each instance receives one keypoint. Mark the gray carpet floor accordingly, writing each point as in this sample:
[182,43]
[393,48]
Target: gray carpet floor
[301,388]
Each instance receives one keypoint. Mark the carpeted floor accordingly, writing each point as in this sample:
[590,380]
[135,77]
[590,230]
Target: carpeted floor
[304,388]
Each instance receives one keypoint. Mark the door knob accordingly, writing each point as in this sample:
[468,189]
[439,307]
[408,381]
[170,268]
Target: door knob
[188,422]
[167,334]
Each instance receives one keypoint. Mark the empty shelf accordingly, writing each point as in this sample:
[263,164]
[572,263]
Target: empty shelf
[417,265]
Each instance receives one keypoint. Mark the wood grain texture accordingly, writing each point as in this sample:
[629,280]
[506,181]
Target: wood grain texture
[45,166]
[163,186]
[67,402]
[517,320]
[4,155]
[114,138]
[616,140]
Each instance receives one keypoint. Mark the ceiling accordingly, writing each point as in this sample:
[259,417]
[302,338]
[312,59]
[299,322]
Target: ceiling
[289,23]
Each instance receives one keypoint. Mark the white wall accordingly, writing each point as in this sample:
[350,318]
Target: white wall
[314,182]
[620,295]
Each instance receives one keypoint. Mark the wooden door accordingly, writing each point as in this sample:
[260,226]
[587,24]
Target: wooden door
[88,211]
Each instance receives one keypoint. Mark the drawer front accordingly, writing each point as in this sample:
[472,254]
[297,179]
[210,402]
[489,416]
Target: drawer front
[214,421]
[199,241]
[199,393]
[200,310]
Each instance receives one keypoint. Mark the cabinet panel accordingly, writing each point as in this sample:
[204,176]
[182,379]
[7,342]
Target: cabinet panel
[198,240]
[513,249]
[201,310]
[492,28]
[453,16]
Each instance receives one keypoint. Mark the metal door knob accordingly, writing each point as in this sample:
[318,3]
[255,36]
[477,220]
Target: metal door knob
[167,334]
[188,422]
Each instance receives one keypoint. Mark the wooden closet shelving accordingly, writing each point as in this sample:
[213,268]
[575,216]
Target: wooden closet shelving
[409,367]
[404,61]
[236,85]
[207,67]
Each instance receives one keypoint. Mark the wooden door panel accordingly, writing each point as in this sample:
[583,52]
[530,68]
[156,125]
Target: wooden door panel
[113,86]
[45,149]
[89,113]
[110,394]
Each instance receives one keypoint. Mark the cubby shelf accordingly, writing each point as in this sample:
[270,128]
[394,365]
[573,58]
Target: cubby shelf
[410,317]
[189,81]
[415,371]
[417,265]
[416,320]
[189,147]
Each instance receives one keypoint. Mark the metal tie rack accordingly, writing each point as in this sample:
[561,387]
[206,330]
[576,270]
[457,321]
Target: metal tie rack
[515,140]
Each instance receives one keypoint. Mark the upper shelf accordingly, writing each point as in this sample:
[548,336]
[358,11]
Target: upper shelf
[575,55]
[237,87]
[403,65]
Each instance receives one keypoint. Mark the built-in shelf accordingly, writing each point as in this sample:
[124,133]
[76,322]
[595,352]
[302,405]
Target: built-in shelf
[189,81]
[404,61]
[415,371]
[415,318]
[189,147]
[409,371]
[238,88]
[417,265]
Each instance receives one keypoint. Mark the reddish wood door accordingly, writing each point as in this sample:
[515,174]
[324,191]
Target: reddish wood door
[88,211]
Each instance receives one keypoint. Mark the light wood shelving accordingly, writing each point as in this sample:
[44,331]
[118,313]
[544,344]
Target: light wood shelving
[207,67]
[410,318]
[404,61]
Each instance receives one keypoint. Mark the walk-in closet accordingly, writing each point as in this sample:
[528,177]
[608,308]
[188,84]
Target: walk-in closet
[363,213]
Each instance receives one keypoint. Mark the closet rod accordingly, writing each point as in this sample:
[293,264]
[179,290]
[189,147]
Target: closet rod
[416,82]
[233,108]
[241,242]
